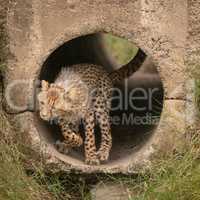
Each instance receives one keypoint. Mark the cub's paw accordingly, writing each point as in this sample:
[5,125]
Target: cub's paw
[92,161]
[103,155]
[62,147]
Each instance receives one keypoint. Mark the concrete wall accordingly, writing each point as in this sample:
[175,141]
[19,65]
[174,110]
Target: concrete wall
[37,28]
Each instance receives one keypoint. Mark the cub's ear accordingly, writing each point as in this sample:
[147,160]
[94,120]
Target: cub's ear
[45,85]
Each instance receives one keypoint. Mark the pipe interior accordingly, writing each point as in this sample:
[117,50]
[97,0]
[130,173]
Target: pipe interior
[130,126]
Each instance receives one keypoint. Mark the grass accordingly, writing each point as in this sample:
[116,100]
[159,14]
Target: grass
[173,177]
[18,182]
[14,182]
[121,50]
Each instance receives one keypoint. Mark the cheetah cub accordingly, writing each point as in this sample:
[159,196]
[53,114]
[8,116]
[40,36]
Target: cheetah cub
[82,93]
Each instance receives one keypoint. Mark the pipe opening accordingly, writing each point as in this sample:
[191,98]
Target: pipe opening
[136,106]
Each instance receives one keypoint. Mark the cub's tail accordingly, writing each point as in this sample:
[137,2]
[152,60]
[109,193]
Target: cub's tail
[127,70]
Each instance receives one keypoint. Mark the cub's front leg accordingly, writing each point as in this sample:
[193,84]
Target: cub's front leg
[71,138]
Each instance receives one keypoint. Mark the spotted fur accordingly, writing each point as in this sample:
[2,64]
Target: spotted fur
[83,92]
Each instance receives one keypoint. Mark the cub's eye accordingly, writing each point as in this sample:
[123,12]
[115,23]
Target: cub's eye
[61,112]
[42,102]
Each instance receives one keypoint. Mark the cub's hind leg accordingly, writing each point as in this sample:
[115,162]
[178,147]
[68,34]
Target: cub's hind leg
[89,144]
[103,119]
[106,138]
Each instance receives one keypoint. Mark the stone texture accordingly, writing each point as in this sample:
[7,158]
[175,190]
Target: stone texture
[192,57]
[159,28]
[111,191]
[35,29]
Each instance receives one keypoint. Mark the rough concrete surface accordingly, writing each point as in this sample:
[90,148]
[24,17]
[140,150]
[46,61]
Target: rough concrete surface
[111,191]
[37,28]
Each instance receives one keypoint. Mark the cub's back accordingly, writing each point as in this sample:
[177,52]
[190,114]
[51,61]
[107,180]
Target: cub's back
[94,76]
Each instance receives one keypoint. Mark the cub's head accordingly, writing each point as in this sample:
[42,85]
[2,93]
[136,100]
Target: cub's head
[55,100]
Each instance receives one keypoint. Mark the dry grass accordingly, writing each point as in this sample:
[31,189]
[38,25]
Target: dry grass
[14,182]
[175,177]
